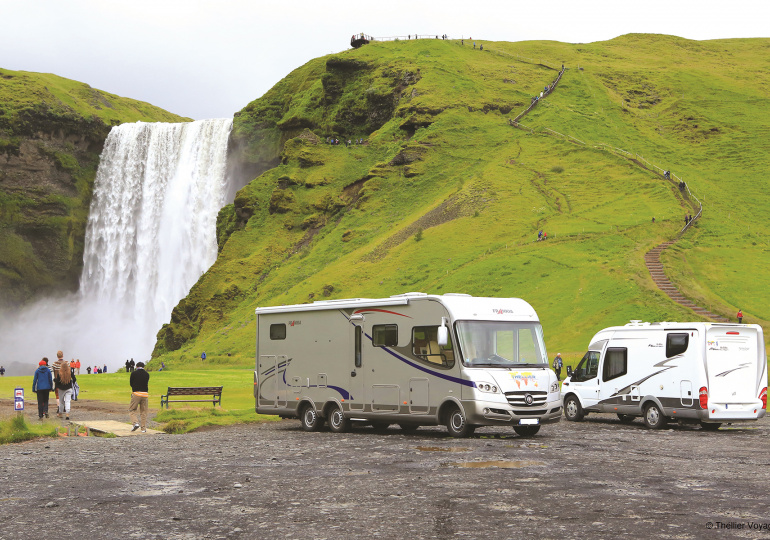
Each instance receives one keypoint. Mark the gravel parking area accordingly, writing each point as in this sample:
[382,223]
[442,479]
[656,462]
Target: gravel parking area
[598,478]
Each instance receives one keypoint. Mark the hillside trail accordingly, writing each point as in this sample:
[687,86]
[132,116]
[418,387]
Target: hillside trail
[652,257]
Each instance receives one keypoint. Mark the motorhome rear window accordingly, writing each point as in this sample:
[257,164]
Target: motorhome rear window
[278,331]
[615,363]
[676,344]
[385,335]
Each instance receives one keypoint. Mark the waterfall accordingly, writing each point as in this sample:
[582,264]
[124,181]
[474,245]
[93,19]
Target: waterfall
[151,234]
[152,225]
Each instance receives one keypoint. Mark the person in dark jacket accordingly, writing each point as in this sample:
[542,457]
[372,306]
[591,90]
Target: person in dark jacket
[42,384]
[139,381]
[64,380]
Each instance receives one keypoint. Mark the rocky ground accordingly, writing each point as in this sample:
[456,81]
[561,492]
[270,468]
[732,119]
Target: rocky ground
[598,478]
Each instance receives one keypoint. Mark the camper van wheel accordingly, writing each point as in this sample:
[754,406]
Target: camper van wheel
[457,425]
[709,426]
[311,421]
[337,421]
[653,417]
[572,409]
[626,418]
[526,431]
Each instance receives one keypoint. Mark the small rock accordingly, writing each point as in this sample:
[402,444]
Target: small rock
[237,485]
[51,504]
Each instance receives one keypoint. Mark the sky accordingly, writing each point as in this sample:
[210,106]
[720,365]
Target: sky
[210,58]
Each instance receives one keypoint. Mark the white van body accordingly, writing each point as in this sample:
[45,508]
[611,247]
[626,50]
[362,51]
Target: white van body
[383,361]
[700,372]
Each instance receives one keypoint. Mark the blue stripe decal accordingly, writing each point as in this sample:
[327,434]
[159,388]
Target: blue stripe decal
[417,366]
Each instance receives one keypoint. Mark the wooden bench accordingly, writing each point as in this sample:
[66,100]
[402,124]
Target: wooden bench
[214,391]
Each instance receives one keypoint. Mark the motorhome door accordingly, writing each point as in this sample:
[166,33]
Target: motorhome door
[585,379]
[356,367]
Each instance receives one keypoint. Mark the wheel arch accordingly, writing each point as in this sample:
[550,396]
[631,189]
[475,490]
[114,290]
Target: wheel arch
[446,406]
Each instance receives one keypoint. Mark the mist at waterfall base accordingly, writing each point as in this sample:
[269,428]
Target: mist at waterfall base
[151,234]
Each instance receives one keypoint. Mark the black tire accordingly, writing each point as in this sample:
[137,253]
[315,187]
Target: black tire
[409,428]
[626,418]
[653,417]
[572,409]
[457,424]
[526,431]
[337,421]
[709,426]
[311,420]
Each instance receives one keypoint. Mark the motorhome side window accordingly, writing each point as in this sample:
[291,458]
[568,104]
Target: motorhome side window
[385,335]
[615,363]
[278,331]
[425,347]
[676,344]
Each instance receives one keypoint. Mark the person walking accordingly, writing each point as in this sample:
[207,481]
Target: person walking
[2,371]
[64,379]
[557,365]
[740,316]
[139,381]
[42,384]
[55,369]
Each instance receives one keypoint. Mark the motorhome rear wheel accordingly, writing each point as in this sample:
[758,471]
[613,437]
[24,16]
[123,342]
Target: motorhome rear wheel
[311,421]
[653,417]
[337,421]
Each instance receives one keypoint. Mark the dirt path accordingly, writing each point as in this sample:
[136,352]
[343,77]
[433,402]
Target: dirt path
[597,479]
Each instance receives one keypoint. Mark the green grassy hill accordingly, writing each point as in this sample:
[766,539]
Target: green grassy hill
[446,196]
[51,134]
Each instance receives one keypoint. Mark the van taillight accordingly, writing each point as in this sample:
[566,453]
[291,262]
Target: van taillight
[763,397]
[703,396]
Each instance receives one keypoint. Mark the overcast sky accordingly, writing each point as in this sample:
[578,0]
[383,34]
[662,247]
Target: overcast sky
[209,58]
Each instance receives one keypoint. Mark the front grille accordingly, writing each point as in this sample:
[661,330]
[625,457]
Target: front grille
[530,412]
[519,398]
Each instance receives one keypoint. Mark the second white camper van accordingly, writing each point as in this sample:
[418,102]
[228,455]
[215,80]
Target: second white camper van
[411,359]
[710,373]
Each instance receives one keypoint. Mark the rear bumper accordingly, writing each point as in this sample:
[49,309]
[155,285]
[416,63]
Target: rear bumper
[727,412]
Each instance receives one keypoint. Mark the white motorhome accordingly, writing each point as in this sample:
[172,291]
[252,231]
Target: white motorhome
[710,373]
[411,359]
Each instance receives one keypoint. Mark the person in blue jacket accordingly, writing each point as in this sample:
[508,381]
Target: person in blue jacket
[42,384]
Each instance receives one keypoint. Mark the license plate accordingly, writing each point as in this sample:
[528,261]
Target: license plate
[529,421]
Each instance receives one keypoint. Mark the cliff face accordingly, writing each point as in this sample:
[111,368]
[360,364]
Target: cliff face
[51,134]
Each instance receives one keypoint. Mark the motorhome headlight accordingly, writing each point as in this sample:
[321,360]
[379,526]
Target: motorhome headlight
[555,387]
[486,387]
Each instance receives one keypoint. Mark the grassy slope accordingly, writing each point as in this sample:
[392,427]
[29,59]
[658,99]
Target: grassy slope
[656,95]
[23,90]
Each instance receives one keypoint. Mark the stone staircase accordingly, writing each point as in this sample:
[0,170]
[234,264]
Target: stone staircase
[658,274]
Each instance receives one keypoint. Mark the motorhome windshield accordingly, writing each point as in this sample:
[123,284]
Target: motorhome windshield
[501,344]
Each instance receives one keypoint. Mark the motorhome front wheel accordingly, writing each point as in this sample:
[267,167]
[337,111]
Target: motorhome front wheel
[572,409]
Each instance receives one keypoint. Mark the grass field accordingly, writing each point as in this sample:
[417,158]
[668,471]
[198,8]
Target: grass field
[237,396]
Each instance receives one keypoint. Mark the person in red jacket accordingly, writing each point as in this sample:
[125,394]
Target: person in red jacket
[740,316]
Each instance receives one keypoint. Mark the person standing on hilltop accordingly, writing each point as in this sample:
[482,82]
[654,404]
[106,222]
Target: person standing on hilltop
[42,384]
[740,316]
[140,395]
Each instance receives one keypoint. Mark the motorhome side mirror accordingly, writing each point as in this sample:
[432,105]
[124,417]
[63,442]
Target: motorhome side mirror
[569,371]
[443,336]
